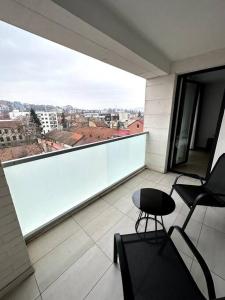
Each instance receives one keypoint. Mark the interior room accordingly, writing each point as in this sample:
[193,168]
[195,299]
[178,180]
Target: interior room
[199,117]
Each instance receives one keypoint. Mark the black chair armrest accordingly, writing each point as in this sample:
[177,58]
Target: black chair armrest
[191,175]
[205,269]
[206,194]
[119,250]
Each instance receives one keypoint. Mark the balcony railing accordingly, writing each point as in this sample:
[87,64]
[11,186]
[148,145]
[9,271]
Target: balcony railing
[46,187]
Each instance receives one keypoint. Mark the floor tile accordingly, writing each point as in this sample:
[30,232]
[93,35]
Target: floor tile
[169,220]
[80,278]
[133,213]
[198,214]
[91,211]
[145,184]
[26,290]
[101,224]
[187,260]
[124,204]
[215,218]
[109,287]
[133,182]
[168,179]
[116,194]
[51,266]
[125,225]
[211,245]
[192,230]
[49,240]
[199,277]
[154,176]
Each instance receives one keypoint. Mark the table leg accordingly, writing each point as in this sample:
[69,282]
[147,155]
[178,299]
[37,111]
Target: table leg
[163,223]
[138,221]
[146,223]
[155,223]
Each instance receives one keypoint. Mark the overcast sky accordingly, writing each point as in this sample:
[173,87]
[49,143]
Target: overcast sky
[35,70]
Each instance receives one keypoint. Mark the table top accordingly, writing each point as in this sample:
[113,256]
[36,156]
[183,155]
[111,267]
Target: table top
[153,202]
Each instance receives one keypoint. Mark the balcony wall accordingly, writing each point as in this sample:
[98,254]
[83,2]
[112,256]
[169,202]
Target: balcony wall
[45,187]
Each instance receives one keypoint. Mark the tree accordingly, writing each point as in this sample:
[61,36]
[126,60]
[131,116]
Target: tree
[63,120]
[35,121]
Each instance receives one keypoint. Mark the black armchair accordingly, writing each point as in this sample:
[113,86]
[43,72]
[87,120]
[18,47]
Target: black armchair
[152,268]
[209,193]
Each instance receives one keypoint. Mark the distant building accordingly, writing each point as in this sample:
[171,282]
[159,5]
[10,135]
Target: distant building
[91,115]
[65,138]
[16,114]
[48,120]
[136,126]
[123,116]
[11,133]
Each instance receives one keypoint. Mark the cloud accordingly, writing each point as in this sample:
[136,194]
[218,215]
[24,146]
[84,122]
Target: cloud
[39,71]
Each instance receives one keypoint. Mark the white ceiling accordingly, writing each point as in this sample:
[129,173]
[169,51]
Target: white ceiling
[179,28]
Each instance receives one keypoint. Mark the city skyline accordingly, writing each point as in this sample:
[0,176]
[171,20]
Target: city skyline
[38,71]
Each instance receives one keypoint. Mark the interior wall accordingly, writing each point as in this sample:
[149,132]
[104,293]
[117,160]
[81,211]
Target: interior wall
[210,109]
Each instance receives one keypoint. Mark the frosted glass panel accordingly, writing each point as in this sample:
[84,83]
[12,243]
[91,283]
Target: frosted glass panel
[45,188]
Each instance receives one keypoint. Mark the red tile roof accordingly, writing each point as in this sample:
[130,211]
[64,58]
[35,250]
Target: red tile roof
[10,153]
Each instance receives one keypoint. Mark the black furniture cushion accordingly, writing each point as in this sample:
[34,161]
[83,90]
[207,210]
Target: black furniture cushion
[155,275]
[189,193]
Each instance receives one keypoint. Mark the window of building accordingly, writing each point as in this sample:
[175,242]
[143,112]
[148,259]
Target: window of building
[0,131]
[1,139]
[138,126]
[14,137]
[8,138]
[20,137]
[6,131]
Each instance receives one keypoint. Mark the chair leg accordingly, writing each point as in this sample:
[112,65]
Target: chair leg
[188,217]
[115,251]
[171,192]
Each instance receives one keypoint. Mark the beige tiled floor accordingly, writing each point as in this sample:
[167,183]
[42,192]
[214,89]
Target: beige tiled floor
[74,259]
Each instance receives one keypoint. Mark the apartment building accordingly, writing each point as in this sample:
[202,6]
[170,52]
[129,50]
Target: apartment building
[16,114]
[11,133]
[48,120]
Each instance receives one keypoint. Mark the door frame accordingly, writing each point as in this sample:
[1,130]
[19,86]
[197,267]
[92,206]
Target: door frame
[175,118]
[180,116]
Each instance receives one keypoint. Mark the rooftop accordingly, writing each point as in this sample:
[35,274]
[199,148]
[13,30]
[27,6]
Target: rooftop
[10,153]
[79,250]
[9,124]
[65,137]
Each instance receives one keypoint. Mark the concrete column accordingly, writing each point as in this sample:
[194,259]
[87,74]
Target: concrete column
[157,120]
[15,264]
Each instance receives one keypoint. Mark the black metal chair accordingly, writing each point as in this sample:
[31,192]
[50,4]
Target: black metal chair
[210,193]
[155,270]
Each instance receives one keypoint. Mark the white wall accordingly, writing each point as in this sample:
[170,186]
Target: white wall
[212,99]
[157,118]
[14,261]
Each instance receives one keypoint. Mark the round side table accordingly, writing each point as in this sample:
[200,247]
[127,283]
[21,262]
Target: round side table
[152,202]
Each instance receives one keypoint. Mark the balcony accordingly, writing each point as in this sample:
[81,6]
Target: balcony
[48,187]
[73,260]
